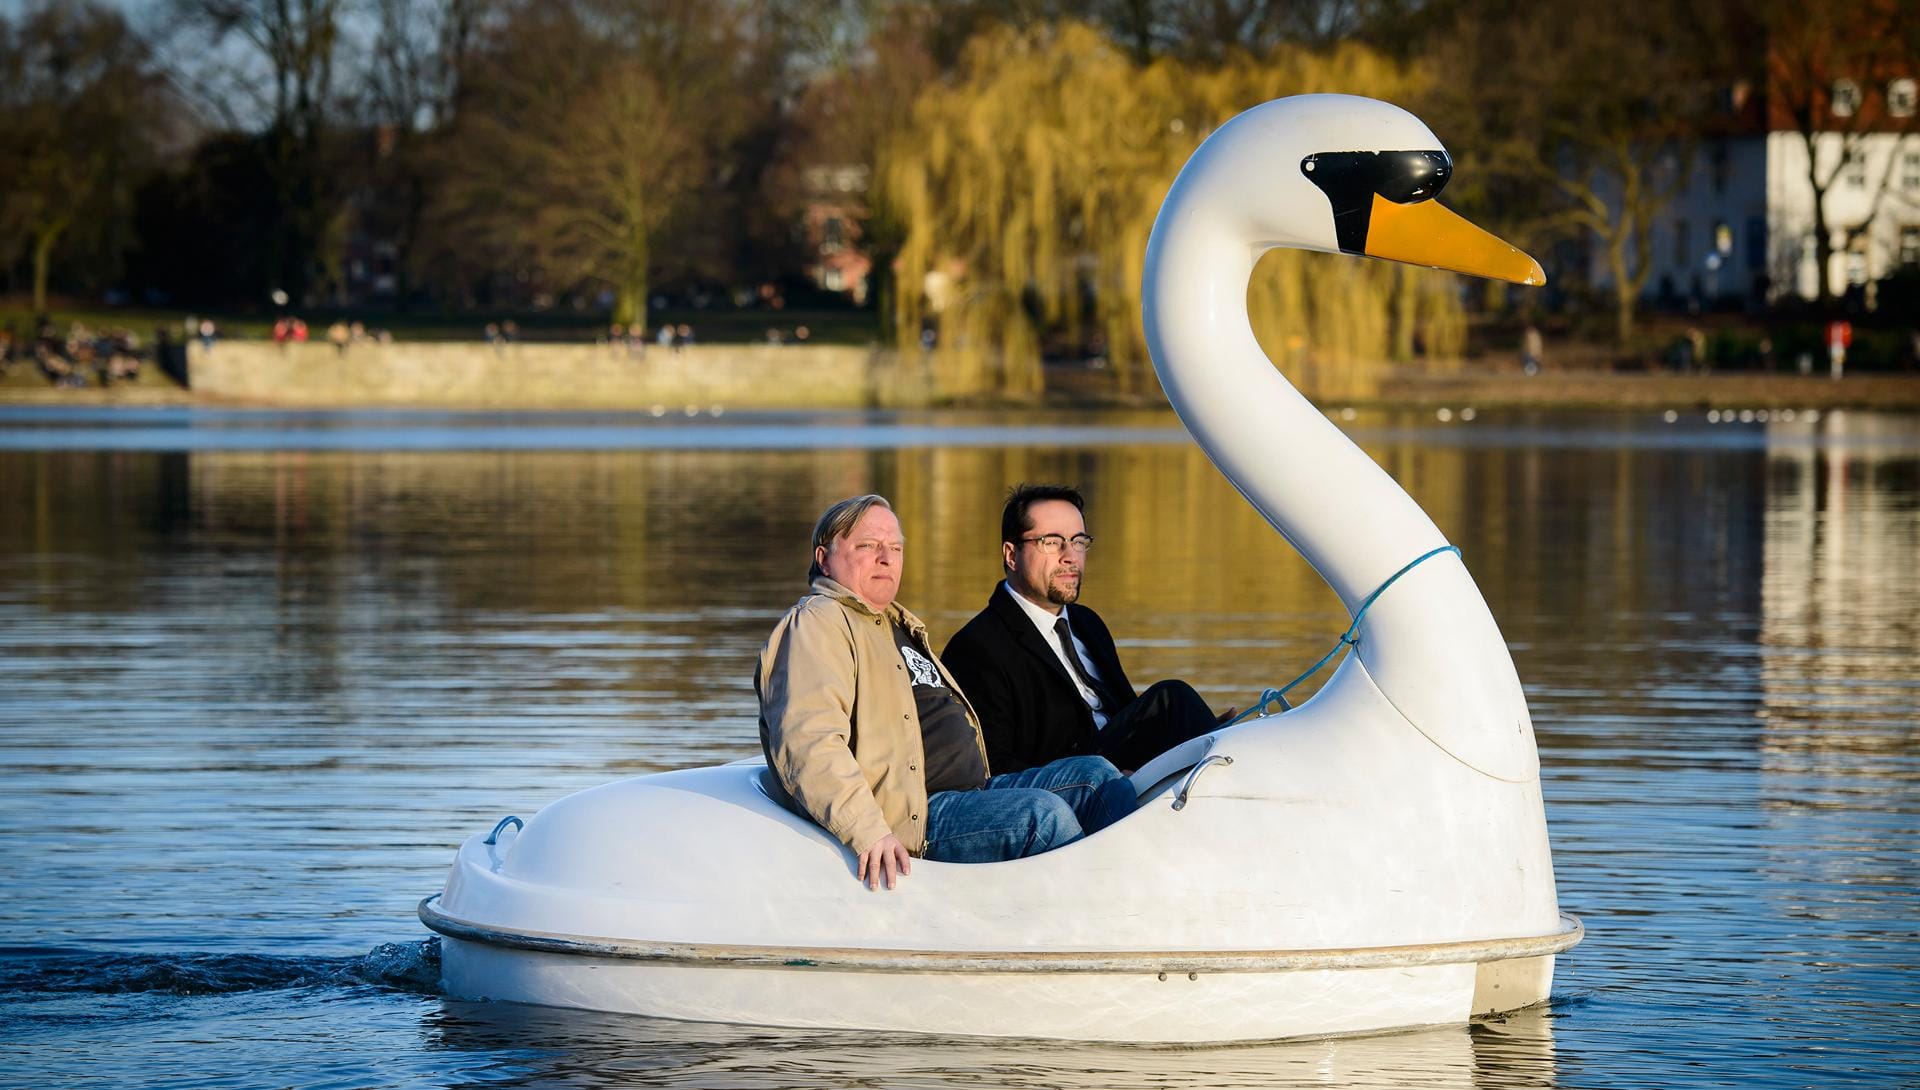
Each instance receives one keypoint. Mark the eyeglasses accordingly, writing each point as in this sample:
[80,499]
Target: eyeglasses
[1053,543]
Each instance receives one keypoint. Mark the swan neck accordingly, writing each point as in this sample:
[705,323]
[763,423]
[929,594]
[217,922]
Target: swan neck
[1345,515]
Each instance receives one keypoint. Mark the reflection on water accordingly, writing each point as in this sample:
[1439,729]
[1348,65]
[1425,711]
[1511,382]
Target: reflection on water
[251,698]
[534,1047]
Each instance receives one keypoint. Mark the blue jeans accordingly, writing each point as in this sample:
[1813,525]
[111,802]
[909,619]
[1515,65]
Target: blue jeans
[1026,813]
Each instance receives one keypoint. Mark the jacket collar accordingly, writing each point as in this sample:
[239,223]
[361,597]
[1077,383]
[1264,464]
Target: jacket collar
[896,612]
[1024,634]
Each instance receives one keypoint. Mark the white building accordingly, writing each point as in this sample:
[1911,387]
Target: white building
[1741,226]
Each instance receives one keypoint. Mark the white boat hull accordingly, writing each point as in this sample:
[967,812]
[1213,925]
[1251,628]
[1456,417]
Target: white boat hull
[692,895]
[1132,1004]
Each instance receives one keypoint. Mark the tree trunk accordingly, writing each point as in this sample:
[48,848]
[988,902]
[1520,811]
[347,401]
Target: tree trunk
[630,294]
[1623,288]
[1822,238]
[43,243]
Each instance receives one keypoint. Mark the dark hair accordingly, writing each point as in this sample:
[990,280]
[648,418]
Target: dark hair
[1014,521]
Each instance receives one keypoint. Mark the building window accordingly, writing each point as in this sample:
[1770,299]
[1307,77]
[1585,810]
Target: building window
[833,233]
[1900,98]
[1717,159]
[1756,242]
[1857,262]
[1910,244]
[1910,170]
[1855,169]
[1846,97]
[1682,252]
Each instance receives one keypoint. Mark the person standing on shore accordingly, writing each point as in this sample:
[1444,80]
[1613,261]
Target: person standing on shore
[1532,348]
[1697,349]
[1839,339]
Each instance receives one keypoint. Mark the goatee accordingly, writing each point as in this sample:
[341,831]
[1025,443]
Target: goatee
[1063,596]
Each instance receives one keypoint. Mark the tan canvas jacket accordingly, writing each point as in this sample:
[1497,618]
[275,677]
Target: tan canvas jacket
[838,720]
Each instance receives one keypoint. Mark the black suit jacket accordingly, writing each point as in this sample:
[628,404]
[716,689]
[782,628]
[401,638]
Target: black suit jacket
[1030,710]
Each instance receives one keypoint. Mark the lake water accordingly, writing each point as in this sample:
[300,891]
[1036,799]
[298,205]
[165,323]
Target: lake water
[260,673]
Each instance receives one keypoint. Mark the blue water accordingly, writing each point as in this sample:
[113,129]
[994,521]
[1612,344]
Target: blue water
[259,673]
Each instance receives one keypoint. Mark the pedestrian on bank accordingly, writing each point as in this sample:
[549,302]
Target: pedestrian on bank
[1697,349]
[1532,348]
[1839,339]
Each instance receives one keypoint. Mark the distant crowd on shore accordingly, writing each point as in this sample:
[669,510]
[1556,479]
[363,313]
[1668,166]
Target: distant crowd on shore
[632,340]
[290,329]
[78,357]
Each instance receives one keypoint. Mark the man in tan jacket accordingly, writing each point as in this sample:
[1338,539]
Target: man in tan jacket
[866,732]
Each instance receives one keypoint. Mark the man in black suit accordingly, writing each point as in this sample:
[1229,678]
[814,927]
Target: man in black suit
[1042,670]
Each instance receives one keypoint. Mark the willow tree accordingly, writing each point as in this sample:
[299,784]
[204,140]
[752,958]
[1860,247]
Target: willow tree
[1029,184]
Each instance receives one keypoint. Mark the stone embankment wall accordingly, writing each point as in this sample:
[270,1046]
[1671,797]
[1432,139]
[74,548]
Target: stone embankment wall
[553,376]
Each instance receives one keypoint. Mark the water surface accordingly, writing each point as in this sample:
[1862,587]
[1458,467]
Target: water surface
[259,673]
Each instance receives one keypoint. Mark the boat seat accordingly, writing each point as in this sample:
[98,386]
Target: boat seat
[1156,775]
[1149,779]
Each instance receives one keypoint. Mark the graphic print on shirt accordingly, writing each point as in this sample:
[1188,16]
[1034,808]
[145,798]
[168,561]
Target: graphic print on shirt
[922,668]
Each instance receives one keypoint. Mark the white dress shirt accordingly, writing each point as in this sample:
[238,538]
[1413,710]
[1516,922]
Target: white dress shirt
[1043,621]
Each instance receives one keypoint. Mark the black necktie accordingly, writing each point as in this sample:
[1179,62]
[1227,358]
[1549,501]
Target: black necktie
[1061,630]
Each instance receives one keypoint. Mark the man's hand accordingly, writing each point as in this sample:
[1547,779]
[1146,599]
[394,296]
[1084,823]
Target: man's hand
[1225,717]
[885,860]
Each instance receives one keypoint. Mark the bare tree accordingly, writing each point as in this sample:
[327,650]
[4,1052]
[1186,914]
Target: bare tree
[79,108]
[844,118]
[575,154]
[416,80]
[1577,121]
[280,56]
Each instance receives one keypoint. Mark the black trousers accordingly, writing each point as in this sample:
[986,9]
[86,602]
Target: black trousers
[1164,716]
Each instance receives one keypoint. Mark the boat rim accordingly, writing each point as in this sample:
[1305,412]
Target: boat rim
[1569,934]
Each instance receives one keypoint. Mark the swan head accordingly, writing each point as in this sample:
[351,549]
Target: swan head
[1344,174]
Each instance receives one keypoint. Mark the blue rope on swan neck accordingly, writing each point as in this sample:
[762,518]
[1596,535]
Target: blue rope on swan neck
[1347,639]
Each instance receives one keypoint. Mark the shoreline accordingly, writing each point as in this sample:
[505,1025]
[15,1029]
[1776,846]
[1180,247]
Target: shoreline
[1568,391]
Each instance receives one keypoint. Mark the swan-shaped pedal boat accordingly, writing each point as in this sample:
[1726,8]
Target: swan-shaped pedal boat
[1375,858]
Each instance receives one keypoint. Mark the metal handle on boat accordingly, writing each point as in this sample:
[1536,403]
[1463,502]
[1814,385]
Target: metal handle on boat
[1186,785]
[494,837]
